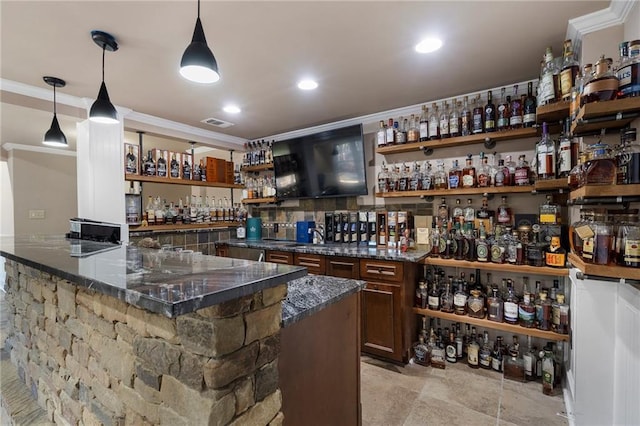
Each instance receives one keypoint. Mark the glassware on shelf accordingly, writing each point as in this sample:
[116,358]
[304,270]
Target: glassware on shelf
[600,169]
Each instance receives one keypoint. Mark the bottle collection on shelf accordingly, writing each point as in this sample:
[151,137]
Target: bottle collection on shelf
[159,212]
[483,235]
[436,347]
[258,187]
[543,309]
[257,153]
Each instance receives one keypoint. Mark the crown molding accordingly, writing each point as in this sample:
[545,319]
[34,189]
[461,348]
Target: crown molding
[615,14]
[41,149]
[45,94]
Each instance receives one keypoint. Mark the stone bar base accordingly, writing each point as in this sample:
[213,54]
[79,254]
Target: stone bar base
[89,358]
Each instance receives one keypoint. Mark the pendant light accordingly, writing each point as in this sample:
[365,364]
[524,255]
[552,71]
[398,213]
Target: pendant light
[102,110]
[198,63]
[54,136]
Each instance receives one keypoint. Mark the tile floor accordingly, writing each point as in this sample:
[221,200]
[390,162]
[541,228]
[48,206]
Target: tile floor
[415,395]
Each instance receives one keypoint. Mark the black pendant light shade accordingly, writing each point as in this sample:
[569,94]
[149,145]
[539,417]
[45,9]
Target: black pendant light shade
[198,63]
[102,110]
[54,136]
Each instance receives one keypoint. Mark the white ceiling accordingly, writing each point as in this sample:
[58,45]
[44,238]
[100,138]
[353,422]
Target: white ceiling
[360,52]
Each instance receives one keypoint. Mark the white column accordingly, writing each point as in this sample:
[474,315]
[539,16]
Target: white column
[100,153]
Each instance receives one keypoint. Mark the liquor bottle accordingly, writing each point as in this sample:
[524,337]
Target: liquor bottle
[438,353]
[446,241]
[603,86]
[415,181]
[460,242]
[515,110]
[443,210]
[434,123]
[149,167]
[548,371]
[629,72]
[131,166]
[401,130]
[484,354]
[433,298]
[444,121]
[454,119]
[484,172]
[174,167]
[544,313]
[560,315]
[427,177]
[447,299]
[570,67]
[381,135]
[477,122]
[458,213]
[529,358]
[469,212]
[484,214]
[424,124]
[496,307]
[451,350]
[435,238]
[499,177]
[529,108]
[473,351]
[390,133]
[503,113]
[403,180]
[549,212]
[497,248]
[522,172]
[394,178]
[440,180]
[511,307]
[459,342]
[455,176]
[460,300]
[203,170]
[567,158]
[475,304]
[469,174]
[465,118]
[505,215]
[413,132]
[555,256]
[421,352]
[161,165]
[383,179]
[509,172]
[526,310]
[497,355]
[513,362]
[546,154]
[470,236]
[482,247]
[547,86]
[489,114]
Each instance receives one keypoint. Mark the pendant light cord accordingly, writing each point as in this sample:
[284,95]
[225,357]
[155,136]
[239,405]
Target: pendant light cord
[104,48]
[54,100]
[198,9]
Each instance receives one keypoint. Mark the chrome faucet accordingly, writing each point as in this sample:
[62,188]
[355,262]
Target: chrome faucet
[318,234]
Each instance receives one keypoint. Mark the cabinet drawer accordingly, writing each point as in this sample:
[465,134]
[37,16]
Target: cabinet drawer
[388,271]
[343,267]
[283,257]
[315,263]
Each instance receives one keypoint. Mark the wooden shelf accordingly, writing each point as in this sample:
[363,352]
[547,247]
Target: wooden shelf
[460,141]
[551,184]
[259,200]
[609,271]
[182,226]
[588,115]
[485,323]
[155,179]
[258,168]
[460,191]
[520,269]
[552,113]
[595,191]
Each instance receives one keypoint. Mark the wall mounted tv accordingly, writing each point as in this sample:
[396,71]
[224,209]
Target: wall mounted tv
[325,164]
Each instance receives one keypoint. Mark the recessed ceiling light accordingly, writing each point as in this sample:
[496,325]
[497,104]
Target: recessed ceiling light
[231,109]
[429,45]
[307,84]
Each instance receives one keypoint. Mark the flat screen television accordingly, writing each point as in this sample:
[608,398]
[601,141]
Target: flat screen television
[325,164]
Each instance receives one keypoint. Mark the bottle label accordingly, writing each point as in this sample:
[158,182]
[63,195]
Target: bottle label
[485,359]
[390,135]
[632,250]
[467,181]
[453,126]
[433,301]
[482,251]
[383,239]
[424,130]
[433,128]
[444,126]
[587,248]
[511,311]
[624,75]
[472,355]
[477,123]
[483,180]
[382,184]
[454,181]
[496,363]
[522,176]
[381,138]
[542,163]
[420,353]
[566,82]
[515,120]
[555,259]
[565,155]
[548,218]
[451,353]
[546,89]
[497,253]
[476,305]
[401,137]
[529,118]
[528,364]
[460,300]
[555,315]
[525,315]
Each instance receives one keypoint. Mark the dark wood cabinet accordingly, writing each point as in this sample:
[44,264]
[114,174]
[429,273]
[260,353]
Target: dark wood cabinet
[222,250]
[343,267]
[381,320]
[283,257]
[315,263]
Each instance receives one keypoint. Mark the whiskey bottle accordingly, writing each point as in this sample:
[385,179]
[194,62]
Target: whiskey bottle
[499,179]
[503,114]
[526,309]
[484,172]
[513,363]
[401,130]
[161,165]
[460,300]
[497,355]
[511,307]
[546,152]
[470,236]
[496,307]
[509,172]
[604,84]
[203,171]
[131,166]
[484,354]
[543,312]
[413,133]
[455,176]
[454,119]
[555,256]
[433,299]
[381,135]
[186,170]
[421,353]
[444,121]
[451,350]
[174,167]
[475,304]
[447,299]
[529,108]
[424,124]
[505,215]
[497,247]
[469,212]
[443,210]
[522,172]
[529,358]
[383,179]
[515,110]
[629,72]
[489,114]
[567,152]
[415,181]
[469,174]
[149,168]
[457,213]
[390,133]
[482,247]
[547,86]
[426,177]
[465,118]
[440,180]
[403,181]
[570,67]
[548,371]
[477,116]
[473,351]
[560,315]
[434,123]
[549,212]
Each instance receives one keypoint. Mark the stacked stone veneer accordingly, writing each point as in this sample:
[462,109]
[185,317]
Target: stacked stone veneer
[89,358]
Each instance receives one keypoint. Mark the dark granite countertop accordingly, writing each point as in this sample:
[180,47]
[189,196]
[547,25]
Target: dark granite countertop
[332,249]
[170,283]
[310,294]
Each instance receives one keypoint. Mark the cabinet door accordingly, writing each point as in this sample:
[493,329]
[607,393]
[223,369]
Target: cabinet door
[315,263]
[282,257]
[222,251]
[343,267]
[381,325]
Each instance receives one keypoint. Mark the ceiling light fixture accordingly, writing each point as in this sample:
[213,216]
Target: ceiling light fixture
[54,136]
[307,84]
[102,110]
[198,63]
[429,45]
[231,109]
